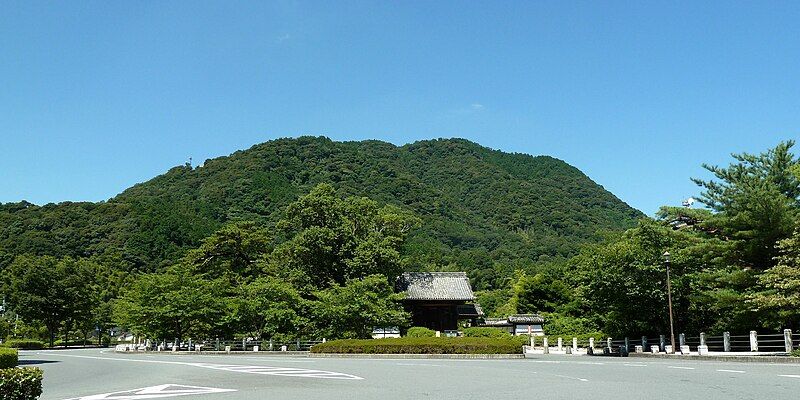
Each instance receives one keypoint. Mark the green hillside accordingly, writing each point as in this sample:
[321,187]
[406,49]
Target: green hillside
[483,211]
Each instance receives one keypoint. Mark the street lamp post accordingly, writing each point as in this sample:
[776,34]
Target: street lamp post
[669,303]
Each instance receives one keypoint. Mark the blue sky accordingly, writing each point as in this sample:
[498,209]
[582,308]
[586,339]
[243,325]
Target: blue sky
[97,96]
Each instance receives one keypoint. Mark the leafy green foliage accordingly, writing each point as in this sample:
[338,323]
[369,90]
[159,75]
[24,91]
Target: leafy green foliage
[332,240]
[25,344]
[419,331]
[483,211]
[780,285]
[756,200]
[270,308]
[485,332]
[326,272]
[53,291]
[353,310]
[20,383]
[8,358]
[426,345]
[174,304]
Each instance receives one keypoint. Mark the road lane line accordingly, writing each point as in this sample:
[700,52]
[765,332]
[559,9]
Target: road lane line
[571,377]
[675,367]
[730,370]
[790,376]
[247,369]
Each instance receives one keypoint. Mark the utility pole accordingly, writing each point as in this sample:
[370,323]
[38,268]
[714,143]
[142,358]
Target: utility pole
[669,303]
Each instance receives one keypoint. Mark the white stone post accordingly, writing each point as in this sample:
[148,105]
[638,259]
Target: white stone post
[703,348]
[753,341]
[726,341]
[546,347]
[787,340]
[228,349]
[438,334]
[560,344]
[574,345]
[591,343]
[608,344]
[255,349]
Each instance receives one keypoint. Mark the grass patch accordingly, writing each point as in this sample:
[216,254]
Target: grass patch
[423,345]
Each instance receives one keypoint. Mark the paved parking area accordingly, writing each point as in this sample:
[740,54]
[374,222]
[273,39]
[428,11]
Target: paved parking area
[95,374]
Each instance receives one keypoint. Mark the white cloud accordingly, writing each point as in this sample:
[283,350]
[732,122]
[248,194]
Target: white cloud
[476,106]
[282,38]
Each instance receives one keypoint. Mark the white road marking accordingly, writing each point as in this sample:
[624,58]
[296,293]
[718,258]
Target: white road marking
[155,392]
[730,370]
[247,369]
[635,365]
[790,376]
[675,367]
[420,365]
[571,377]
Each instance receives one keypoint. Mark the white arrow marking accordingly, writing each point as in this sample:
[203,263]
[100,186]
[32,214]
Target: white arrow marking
[155,392]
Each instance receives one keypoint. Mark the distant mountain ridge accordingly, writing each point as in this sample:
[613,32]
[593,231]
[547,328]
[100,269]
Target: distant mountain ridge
[483,210]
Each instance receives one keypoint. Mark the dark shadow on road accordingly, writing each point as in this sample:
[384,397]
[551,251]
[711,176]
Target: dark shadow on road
[36,362]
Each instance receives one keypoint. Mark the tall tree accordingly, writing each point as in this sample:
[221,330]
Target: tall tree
[780,287]
[175,304]
[756,200]
[353,310]
[55,292]
[330,240]
[270,308]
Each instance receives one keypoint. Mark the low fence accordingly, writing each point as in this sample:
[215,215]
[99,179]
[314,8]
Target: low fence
[219,345]
[753,342]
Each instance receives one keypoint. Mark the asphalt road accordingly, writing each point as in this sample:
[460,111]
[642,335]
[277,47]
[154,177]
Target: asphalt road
[92,374]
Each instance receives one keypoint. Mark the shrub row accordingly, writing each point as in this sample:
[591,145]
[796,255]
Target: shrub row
[8,358]
[424,345]
[25,344]
[419,331]
[485,332]
[20,383]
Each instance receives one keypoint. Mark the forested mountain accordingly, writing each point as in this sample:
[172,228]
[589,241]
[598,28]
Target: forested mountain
[482,210]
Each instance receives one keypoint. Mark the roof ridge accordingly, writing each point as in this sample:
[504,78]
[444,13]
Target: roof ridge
[442,273]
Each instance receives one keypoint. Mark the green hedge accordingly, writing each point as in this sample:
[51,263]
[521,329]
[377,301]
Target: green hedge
[434,345]
[8,358]
[419,331]
[25,344]
[485,332]
[20,383]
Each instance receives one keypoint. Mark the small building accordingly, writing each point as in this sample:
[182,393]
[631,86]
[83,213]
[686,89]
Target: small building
[438,300]
[519,324]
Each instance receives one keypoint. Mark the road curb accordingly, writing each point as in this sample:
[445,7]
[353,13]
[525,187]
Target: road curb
[744,359]
[422,356]
[221,353]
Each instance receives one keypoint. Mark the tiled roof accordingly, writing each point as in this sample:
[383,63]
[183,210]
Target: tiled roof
[526,319]
[469,310]
[435,286]
[496,322]
[518,319]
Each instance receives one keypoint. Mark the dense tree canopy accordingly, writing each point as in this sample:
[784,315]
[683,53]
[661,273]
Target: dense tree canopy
[326,271]
[483,211]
